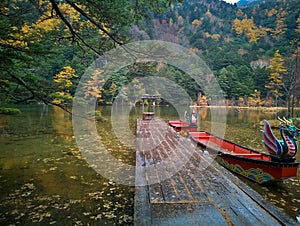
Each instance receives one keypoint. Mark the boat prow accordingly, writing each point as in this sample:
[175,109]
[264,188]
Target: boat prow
[249,163]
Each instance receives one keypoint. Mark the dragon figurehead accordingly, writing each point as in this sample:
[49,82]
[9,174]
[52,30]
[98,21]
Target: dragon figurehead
[285,147]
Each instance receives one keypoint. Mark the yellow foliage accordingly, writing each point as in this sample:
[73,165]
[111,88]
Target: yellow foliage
[70,12]
[91,87]
[62,97]
[208,13]
[171,22]
[207,35]
[202,100]
[197,23]
[237,26]
[17,39]
[4,9]
[104,26]
[275,77]
[215,36]
[49,21]
[46,25]
[298,25]
[194,50]
[277,63]
[248,27]
[254,99]
[63,79]
[57,101]
[281,27]
[271,12]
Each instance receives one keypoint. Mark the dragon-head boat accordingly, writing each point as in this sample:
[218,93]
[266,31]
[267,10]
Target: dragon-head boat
[287,146]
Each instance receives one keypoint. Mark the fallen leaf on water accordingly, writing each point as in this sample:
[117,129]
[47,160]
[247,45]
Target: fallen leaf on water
[295,209]
[295,200]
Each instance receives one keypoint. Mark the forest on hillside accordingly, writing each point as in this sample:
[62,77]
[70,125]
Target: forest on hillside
[46,46]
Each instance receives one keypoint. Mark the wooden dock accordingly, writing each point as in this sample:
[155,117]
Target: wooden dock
[179,185]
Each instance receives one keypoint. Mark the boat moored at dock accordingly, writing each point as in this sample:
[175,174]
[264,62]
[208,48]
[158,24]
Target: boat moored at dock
[252,164]
[279,164]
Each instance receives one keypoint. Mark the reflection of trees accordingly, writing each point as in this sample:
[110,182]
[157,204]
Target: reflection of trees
[3,122]
[202,113]
[255,115]
[62,123]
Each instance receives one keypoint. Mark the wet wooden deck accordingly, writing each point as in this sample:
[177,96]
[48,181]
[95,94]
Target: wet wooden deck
[179,185]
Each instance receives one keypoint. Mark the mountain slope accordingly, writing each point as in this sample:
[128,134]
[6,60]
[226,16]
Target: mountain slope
[237,43]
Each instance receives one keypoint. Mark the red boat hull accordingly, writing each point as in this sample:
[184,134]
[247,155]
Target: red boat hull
[244,161]
[179,126]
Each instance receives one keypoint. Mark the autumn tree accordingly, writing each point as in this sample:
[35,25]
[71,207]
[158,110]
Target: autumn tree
[247,27]
[92,89]
[255,99]
[32,34]
[64,83]
[38,38]
[281,27]
[277,70]
[197,23]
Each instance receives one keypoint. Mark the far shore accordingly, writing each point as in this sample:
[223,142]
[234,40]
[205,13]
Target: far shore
[245,107]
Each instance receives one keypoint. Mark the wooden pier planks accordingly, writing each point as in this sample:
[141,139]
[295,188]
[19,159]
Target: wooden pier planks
[191,189]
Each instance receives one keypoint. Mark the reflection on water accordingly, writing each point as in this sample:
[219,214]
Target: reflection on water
[44,178]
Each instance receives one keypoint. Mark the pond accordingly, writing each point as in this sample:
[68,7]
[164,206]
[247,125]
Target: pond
[44,178]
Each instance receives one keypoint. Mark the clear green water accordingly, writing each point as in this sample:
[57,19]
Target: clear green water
[45,180]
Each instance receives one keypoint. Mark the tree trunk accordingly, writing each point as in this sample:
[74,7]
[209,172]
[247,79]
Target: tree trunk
[292,106]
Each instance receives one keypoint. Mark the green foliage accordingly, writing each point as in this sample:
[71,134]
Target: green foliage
[236,43]
[39,38]
[10,111]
